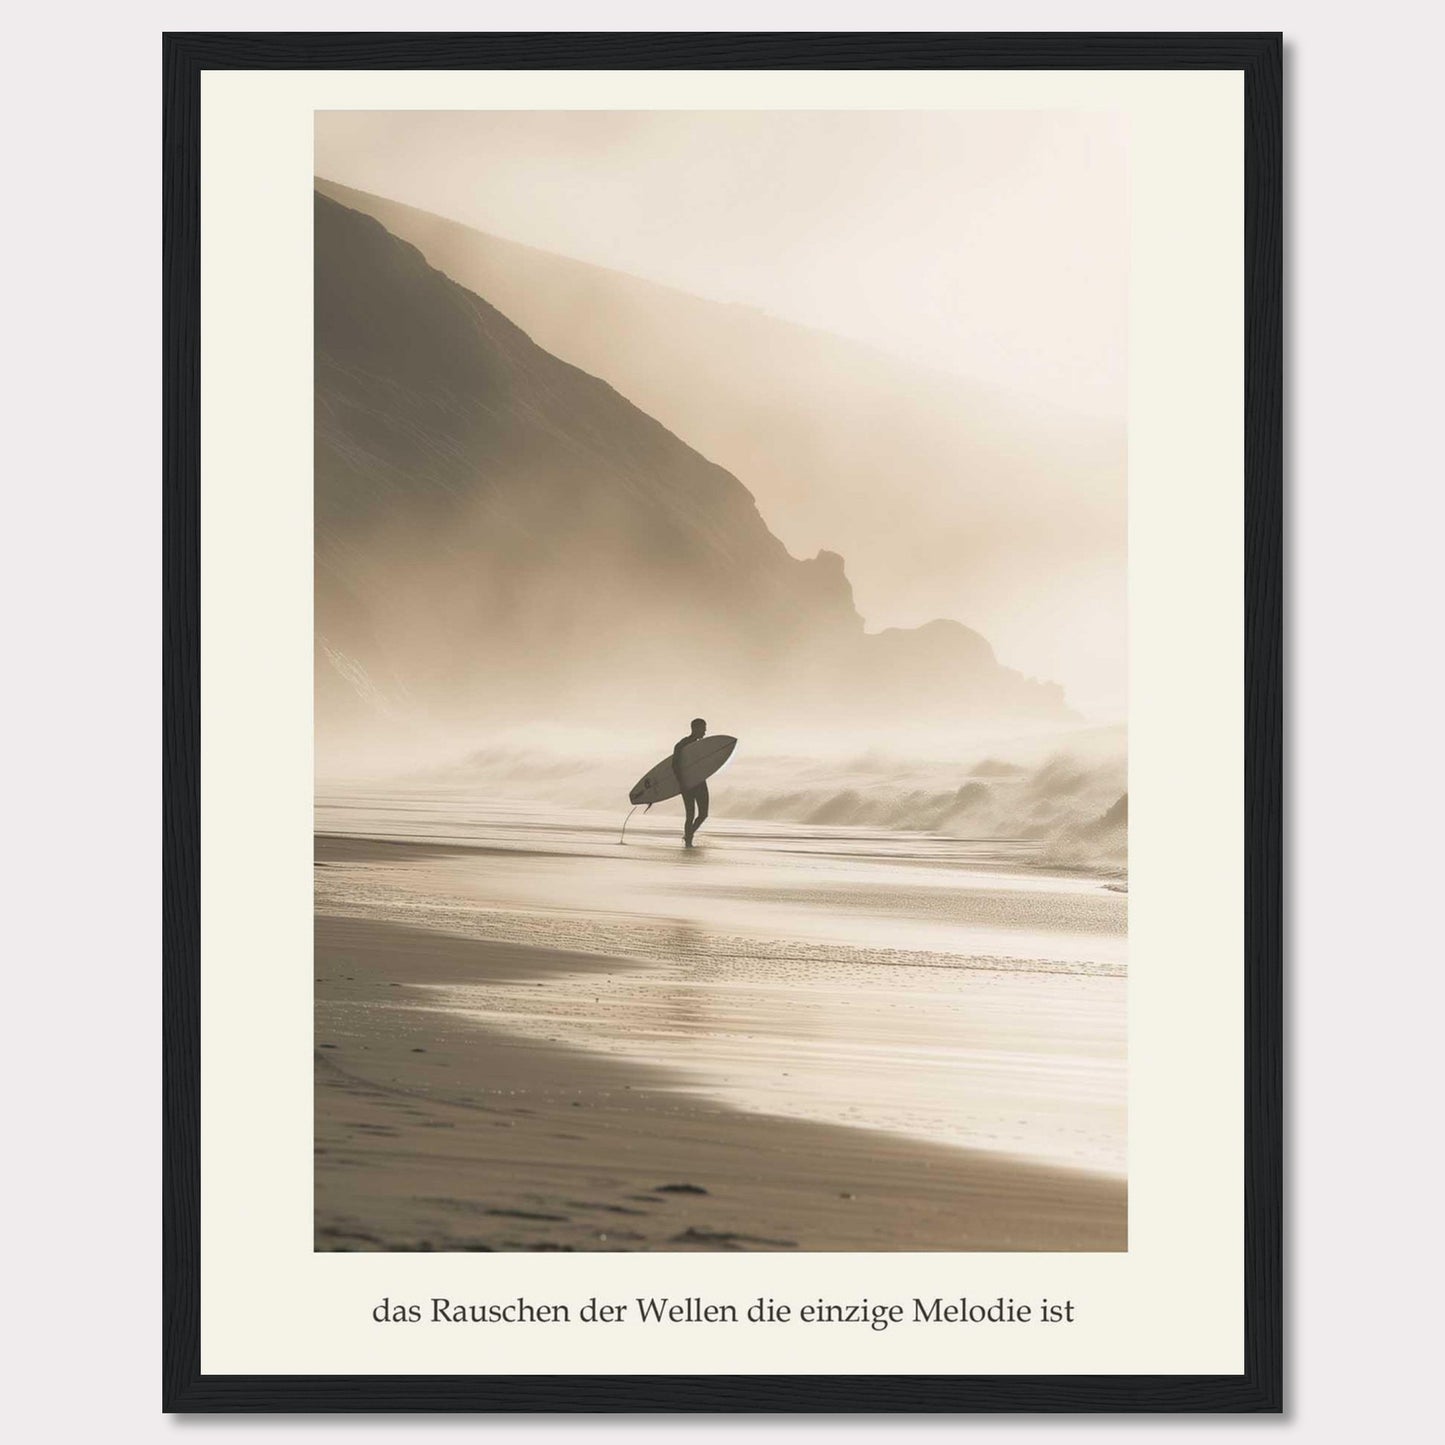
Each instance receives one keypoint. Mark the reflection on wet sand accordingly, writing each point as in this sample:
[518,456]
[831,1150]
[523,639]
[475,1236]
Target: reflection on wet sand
[924,987]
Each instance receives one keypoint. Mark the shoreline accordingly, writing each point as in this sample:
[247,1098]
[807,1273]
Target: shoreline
[436,1132]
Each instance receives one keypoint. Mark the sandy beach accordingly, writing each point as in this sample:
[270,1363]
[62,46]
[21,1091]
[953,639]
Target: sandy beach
[530,1036]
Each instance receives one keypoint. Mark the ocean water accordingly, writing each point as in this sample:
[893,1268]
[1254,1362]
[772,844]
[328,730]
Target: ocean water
[947,990]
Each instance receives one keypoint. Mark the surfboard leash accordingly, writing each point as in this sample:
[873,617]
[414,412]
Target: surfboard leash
[628,819]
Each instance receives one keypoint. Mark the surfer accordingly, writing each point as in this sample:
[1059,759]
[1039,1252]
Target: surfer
[681,773]
[694,799]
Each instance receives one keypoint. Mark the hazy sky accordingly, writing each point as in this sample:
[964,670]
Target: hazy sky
[993,244]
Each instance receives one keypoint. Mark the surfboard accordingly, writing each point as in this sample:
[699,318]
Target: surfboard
[700,760]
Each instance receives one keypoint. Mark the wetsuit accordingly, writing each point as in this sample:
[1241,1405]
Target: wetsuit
[693,799]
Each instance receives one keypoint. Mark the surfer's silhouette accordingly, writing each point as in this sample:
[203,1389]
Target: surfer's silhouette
[693,799]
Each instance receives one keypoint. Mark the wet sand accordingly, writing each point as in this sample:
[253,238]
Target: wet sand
[499,1092]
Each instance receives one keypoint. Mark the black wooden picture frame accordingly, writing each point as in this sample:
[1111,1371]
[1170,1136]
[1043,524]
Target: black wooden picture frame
[1259,1386]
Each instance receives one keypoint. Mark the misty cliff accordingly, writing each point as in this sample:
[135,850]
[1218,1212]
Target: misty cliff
[948,497]
[501,536]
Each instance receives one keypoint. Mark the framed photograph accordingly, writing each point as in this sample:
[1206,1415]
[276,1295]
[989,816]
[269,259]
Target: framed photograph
[722,722]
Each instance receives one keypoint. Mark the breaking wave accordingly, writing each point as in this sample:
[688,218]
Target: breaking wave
[1071,802]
